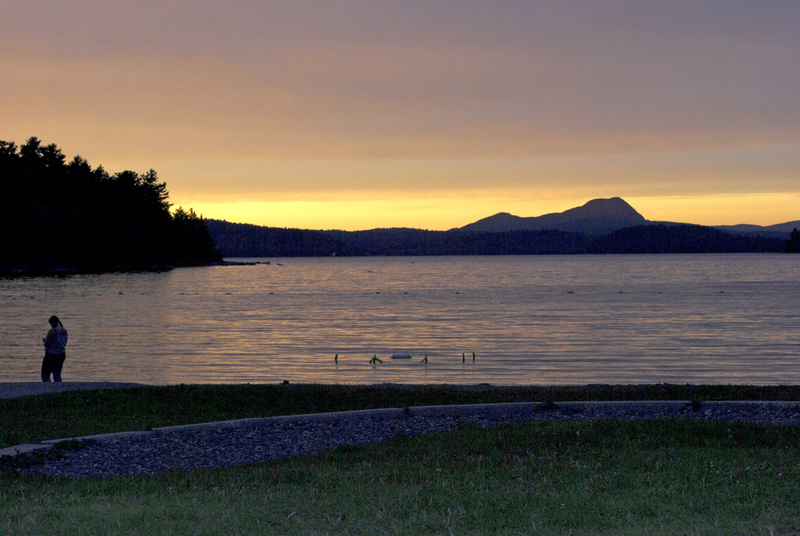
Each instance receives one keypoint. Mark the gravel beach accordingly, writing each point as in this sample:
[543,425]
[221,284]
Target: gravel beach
[256,440]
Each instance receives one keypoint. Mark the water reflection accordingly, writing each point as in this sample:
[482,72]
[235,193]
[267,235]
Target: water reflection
[609,319]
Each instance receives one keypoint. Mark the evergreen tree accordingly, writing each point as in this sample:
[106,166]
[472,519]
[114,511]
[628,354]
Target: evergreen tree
[191,243]
[67,216]
[793,245]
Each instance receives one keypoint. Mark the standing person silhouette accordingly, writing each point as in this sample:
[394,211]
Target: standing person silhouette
[55,350]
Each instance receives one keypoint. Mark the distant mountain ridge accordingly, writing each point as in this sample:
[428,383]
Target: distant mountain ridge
[598,216]
[778,229]
[600,226]
[601,216]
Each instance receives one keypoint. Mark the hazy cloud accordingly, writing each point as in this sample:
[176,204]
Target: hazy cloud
[474,85]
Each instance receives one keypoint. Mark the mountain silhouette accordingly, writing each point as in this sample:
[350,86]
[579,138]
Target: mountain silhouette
[779,229]
[598,216]
[599,226]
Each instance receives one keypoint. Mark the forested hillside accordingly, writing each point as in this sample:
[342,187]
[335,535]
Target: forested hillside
[246,240]
[58,216]
[240,240]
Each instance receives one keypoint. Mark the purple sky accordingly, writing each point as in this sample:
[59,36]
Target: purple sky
[426,114]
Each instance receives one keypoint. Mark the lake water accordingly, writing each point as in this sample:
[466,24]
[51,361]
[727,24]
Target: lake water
[528,319]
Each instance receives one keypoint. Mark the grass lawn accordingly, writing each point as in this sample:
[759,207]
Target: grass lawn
[668,476]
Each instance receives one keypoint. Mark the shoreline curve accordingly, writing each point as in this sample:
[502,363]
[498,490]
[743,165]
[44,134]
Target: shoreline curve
[20,389]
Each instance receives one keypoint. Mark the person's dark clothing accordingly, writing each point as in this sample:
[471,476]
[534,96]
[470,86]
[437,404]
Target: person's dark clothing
[52,363]
[55,348]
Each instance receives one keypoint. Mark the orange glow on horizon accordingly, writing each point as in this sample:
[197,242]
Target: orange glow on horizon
[448,213]
[413,114]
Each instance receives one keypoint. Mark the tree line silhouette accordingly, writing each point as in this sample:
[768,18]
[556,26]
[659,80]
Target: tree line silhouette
[60,216]
[245,240]
[793,245]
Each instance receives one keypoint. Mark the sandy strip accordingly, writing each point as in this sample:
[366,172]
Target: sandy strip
[18,389]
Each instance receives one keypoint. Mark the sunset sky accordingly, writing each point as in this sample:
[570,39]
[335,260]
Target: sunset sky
[429,114]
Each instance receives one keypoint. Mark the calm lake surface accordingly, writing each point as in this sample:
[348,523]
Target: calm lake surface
[528,319]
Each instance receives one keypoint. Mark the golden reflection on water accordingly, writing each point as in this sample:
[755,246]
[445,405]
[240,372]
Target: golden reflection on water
[529,320]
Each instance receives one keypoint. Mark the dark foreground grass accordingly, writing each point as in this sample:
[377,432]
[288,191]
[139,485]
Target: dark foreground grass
[80,413]
[667,476]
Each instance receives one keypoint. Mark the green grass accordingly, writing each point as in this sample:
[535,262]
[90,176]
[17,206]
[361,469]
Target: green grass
[649,477]
[80,413]
[668,476]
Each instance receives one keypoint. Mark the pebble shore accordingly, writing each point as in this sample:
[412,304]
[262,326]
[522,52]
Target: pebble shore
[258,440]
